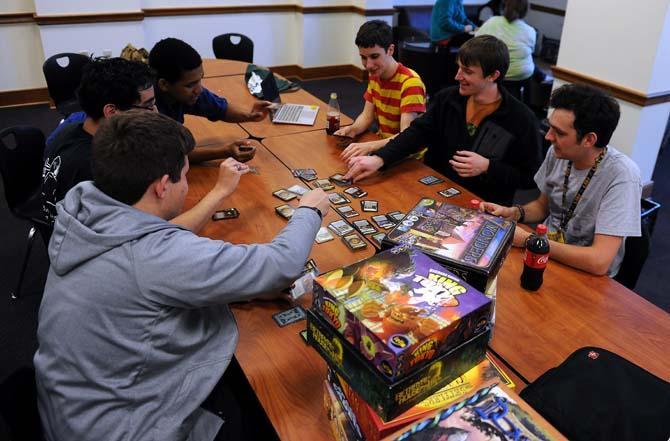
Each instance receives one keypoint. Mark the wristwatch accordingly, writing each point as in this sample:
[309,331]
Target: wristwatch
[313,209]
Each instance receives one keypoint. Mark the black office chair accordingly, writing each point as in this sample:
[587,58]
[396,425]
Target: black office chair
[421,58]
[21,150]
[18,406]
[637,248]
[234,47]
[63,74]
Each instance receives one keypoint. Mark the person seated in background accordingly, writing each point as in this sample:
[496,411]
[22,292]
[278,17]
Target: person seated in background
[179,91]
[448,19]
[134,327]
[518,36]
[108,86]
[395,95]
[476,134]
[590,192]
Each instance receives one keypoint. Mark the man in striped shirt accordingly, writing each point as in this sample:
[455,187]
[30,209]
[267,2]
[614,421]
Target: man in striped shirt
[395,95]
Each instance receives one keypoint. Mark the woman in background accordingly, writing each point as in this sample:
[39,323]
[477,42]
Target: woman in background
[517,35]
[448,19]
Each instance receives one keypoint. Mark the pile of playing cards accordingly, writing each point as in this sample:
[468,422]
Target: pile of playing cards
[338,179]
[337,199]
[284,194]
[395,216]
[298,189]
[323,235]
[430,180]
[308,174]
[340,227]
[364,227]
[356,192]
[347,211]
[305,282]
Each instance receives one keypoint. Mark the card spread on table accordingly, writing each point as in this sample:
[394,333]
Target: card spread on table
[430,180]
[289,316]
[284,195]
[298,189]
[449,192]
[340,227]
[370,206]
[323,235]
[337,199]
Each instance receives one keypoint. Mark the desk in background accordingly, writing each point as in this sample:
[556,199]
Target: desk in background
[213,67]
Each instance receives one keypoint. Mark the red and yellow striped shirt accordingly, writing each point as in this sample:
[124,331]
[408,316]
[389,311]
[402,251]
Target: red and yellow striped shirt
[404,92]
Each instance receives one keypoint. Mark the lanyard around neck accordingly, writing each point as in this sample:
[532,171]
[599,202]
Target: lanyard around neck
[566,216]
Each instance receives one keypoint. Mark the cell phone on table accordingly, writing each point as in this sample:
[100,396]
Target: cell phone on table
[226,213]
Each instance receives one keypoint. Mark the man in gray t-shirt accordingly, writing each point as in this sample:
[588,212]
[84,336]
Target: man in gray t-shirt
[590,193]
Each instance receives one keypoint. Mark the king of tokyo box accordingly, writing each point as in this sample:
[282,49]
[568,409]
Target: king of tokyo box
[391,398]
[468,242]
[400,309]
[373,428]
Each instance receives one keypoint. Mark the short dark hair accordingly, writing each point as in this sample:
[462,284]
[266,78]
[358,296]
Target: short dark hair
[112,81]
[515,9]
[132,149]
[487,52]
[594,110]
[374,33]
[171,57]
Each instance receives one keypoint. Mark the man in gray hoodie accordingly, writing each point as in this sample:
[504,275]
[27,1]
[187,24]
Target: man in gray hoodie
[134,326]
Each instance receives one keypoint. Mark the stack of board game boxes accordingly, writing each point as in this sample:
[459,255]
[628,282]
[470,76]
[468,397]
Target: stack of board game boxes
[395,329]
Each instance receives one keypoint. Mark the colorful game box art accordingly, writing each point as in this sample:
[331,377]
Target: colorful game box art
[340,422]
[400,309]
[470,243]
[492,413]
[374,428]
[391,398]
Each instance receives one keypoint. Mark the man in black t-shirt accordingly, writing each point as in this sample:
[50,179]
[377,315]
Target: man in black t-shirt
[108,86]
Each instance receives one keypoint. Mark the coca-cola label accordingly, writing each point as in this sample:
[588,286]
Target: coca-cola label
[537,261]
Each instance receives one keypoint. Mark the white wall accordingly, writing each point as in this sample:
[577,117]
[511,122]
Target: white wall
[52,7]
[9,6]
[22,57]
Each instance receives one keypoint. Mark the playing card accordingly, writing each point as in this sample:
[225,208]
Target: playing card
[395,216]
[226,213]
[323,235]
[340,227]
[298,189]
[338,179]
[337,199]
[303,335]
[364,227]
[285,211]
[347,211]
[370,206]
[300,172]
[289,316]
[449,192]
[284,195]
[382,221]
[378,238]
[355,192]
[354,242]
[324,184]
[430,180]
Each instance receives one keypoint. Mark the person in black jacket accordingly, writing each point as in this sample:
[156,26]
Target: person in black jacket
[476,134]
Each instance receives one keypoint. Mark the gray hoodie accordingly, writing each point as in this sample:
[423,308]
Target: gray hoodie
[134,328]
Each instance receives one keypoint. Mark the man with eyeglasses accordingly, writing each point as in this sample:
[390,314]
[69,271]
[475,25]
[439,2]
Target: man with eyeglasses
[108,86]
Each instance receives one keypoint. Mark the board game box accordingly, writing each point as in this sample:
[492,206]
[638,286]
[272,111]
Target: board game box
[468,242]
[374,428]
[492,413]
[391,398]
[400,309]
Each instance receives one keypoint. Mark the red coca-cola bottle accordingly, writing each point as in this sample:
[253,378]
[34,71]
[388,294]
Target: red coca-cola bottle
[333,115]
[535,259]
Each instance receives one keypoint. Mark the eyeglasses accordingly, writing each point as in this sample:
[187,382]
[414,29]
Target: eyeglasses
[144,107]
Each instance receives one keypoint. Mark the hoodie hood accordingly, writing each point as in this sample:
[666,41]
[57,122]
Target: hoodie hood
[90,223]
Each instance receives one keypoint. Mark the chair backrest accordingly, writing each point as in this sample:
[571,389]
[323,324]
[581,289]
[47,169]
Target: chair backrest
[234,47]
[637,248]
[18,405]
[21,151]
[63,74]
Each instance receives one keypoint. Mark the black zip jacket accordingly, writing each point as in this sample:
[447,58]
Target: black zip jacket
[509,138]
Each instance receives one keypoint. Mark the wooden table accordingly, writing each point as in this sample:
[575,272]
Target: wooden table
[212,133]
[534,331]
[235,90]
[284,372]
[213,67]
